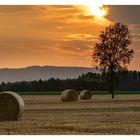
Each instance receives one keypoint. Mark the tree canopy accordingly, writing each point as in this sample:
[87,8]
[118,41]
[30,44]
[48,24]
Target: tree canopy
[111,53]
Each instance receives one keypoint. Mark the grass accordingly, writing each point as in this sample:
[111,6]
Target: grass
[40,93]
[93,93]
[100,115]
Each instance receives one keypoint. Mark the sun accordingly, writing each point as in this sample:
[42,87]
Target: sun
[98,11]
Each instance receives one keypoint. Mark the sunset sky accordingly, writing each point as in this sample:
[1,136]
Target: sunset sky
[60,35]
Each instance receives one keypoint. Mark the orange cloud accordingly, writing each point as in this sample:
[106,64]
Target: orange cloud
[47,35]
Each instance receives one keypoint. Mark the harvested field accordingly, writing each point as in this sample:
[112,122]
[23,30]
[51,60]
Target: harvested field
[101,115]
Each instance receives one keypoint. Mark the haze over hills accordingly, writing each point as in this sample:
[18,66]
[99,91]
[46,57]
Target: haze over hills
[42,72]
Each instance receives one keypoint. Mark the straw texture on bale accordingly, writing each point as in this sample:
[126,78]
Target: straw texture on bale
[85,95]
[11,106]
[69,95]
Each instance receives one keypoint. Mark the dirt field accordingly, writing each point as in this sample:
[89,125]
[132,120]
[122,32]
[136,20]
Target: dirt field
[101,115]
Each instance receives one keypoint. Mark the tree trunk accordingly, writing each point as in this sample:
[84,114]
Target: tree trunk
[113,96]
[112,83]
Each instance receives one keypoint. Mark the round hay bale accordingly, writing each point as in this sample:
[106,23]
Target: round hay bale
[85,95]
[69,95]
[11,106]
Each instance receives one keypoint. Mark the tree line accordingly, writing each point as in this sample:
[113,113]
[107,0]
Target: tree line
[124,81]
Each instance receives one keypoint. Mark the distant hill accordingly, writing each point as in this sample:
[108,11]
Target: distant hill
[42,72]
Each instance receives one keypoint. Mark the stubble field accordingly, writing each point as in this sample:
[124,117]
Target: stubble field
[47,115]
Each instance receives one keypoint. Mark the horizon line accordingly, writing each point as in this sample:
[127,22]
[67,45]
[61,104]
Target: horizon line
[44,66]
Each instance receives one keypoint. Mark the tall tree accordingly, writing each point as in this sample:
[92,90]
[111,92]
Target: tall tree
[111,53]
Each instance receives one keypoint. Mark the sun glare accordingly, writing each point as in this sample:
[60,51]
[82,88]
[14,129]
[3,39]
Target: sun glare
[98,11]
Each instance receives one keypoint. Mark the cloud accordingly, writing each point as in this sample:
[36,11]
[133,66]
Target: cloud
[46,35]
[8,9]
[128,14]
[51,35]
[87,17]
[83,36]
[135,37]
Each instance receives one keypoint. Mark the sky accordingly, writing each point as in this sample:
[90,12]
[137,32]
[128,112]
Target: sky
[60,35]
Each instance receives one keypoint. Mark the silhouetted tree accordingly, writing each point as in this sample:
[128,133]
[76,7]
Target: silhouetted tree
[111,53]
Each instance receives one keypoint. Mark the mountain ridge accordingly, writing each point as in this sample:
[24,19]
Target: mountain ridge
[42,72]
